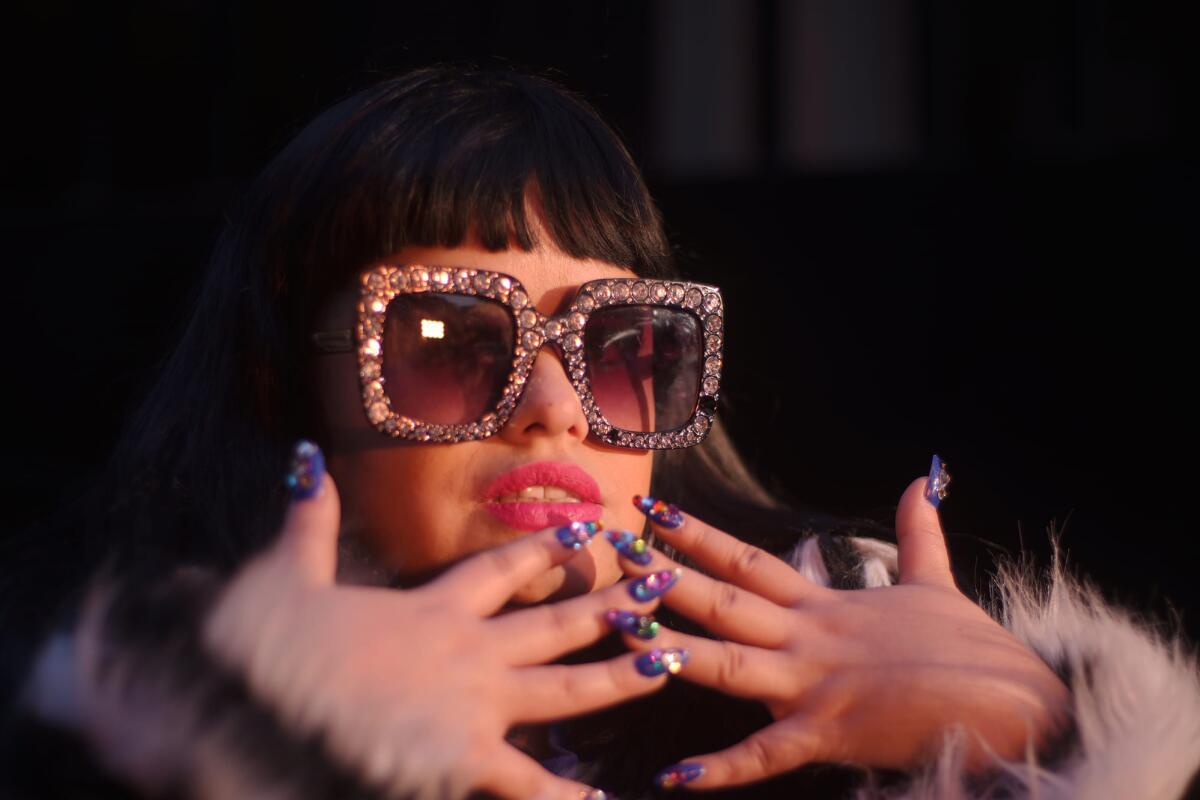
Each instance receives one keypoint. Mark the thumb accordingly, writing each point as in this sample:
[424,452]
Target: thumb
[922,545]
[310,528]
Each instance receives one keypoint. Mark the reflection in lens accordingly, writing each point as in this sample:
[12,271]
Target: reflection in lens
[446,357]
[644,366]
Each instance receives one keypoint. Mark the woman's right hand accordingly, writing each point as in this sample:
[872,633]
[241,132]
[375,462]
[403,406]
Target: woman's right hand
[416,689]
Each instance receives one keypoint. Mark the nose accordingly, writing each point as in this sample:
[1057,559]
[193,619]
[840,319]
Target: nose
[549,407]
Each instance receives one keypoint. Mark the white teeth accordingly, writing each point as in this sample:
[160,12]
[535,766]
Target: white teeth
[539,494]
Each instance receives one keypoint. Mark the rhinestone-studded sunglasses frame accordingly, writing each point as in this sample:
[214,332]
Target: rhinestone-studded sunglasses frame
[533,330]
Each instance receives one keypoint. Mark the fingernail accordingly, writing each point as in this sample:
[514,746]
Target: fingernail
[304,473]
[643,626]
[577,534]
[655,662]
[629,546]
[593,794]
[654,585]
[935,489]
[667,515]
[678,774]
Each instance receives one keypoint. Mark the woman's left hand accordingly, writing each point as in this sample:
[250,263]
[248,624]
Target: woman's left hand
[873,677]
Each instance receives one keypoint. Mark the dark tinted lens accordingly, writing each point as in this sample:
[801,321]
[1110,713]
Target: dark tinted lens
[644,366]
[446,357]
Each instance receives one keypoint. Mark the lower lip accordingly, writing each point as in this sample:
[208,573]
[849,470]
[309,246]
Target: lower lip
[535,516]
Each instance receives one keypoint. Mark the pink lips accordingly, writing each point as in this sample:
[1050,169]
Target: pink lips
[537,515]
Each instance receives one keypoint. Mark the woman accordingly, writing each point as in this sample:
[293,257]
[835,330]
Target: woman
[458,285]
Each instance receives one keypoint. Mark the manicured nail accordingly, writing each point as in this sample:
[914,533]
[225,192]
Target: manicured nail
[667,515]
[631,547]
[593,794]
[643,626]
[678,774]
[654,585]
[304,473]
[577,534]
[657,661]
[939,479]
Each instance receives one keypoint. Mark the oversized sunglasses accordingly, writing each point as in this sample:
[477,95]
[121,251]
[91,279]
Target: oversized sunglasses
[444,354]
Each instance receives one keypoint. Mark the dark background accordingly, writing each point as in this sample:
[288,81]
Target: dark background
[979,218]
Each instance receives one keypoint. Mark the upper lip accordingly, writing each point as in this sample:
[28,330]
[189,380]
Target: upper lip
[545,473]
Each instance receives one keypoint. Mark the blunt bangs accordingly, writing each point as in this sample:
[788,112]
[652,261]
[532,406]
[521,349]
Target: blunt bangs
[441,153]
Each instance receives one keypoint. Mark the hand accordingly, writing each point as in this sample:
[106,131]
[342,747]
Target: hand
[873,677]
[417,688]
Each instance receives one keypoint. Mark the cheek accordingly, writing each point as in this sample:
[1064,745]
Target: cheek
[406,503]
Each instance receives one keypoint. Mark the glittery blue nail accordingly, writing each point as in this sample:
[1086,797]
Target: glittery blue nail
[658,661]
[666,515]
[677,774]
[653,585]
[935,489]
[643,626]
[629,546]
[577,534]
[304,473]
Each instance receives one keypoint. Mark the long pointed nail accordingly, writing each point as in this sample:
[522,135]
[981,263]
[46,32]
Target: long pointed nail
[678,774]
[305,469]
[639,625]
[577,535]
[656,662]
[939,479]
[654,585]
[666,515]
[629,546]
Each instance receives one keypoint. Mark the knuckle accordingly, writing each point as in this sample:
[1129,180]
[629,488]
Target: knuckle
[619,675]
[701,538]
[731,664]
[561,679]
[559,619]
[745,561]
[759,755]
[724,601]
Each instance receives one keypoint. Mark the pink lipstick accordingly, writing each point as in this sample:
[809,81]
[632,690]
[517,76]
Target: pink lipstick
[543,494]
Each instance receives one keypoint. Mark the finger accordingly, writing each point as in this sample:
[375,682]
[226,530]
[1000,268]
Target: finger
[722,608]
[485,581]
[542,694]
[728,557]
[754,673]
[922,556]
[771,751]
[537,635]
[309,535]
[511,774]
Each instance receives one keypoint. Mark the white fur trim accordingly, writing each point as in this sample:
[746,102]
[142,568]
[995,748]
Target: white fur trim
[809,562]
[122,711]
[140,721]
[880,565]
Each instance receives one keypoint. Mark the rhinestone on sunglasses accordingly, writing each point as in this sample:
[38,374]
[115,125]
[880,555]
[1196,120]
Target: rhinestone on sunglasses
[532,330]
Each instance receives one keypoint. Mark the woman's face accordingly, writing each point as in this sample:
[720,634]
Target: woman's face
[419,507]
